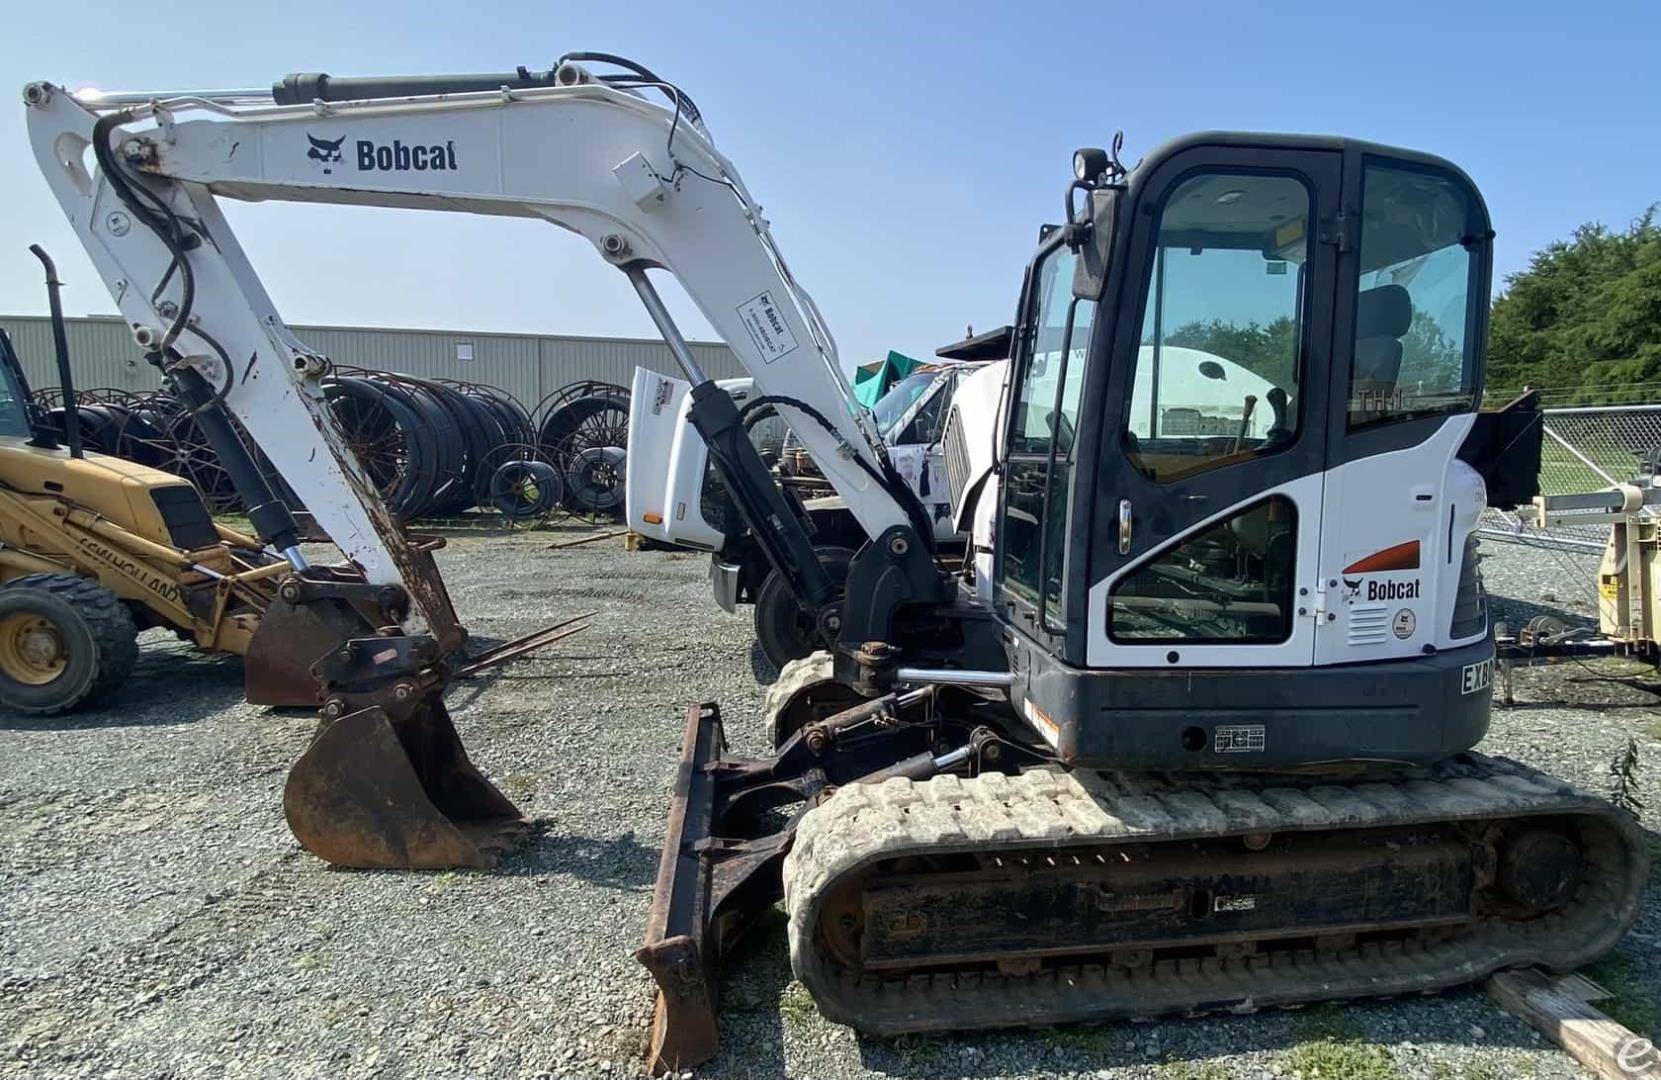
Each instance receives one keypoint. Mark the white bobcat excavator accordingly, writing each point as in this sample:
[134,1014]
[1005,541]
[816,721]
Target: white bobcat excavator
[1205,747]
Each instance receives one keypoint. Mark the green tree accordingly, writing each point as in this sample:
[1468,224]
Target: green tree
[1586,314]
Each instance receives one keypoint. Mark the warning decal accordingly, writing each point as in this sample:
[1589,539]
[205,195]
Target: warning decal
[767,327]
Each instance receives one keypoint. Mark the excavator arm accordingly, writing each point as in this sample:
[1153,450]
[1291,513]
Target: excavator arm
[386,782]
[639,179]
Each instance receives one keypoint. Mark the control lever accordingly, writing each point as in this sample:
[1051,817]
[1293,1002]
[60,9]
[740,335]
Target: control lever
[1245,423]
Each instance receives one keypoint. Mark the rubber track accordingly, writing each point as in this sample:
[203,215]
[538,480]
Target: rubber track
[1050,809]
[113,633]
[796,676]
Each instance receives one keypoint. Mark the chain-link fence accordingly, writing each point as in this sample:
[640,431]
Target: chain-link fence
[1585,448]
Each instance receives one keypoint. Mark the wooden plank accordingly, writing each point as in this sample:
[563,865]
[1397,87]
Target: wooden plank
[1603,1046]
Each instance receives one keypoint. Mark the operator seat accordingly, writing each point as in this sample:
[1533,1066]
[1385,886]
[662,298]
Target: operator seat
[1382,316]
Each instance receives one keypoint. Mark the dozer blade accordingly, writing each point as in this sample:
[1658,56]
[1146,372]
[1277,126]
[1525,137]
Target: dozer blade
[382,791]
[277,669]
[684,1028]
[717,873]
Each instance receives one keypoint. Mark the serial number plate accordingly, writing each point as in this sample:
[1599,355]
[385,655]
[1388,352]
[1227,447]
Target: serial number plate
[1238,739]
[1475,677]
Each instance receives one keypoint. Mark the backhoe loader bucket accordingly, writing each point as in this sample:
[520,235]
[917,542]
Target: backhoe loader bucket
[291,638]
[375,792]
[386,783]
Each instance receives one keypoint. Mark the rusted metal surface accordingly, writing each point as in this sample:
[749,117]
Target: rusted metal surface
[312,615]
[710,887]
[386,784]
[731,823]
[426,587]
[684,1028]
[277,669]
[377,790]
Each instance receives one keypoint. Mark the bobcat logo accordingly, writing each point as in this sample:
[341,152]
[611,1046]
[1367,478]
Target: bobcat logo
[324,152]
[1352,589]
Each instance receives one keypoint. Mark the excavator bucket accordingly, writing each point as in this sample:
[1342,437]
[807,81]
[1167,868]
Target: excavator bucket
[386,784]
[379,790]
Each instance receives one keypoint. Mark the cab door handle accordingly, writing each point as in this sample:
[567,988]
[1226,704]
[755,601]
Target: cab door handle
[1124,526]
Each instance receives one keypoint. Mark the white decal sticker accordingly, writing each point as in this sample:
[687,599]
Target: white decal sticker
[1404,623]
[767,327]
[1234,903]
[1476,677]
[1238,738]
[1046,727]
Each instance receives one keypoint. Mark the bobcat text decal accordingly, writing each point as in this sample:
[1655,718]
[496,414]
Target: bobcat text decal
[399,157]
[396,156]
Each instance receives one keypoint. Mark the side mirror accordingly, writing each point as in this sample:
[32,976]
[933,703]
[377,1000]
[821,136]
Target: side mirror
[1095,241]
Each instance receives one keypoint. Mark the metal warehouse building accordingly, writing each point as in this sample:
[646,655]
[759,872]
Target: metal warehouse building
[528,366]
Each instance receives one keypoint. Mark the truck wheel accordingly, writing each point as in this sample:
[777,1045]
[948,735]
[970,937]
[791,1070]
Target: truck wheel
[64,641]
[784,630]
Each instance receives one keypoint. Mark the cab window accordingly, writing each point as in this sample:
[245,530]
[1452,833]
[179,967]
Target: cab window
[1046,404]
[892,406]
[1229,583]
[1219,367]
[1415,313]
[14,405]
[1038,473]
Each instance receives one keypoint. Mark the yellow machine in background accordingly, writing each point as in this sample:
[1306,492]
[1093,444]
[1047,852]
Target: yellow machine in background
[94,549]
[1629,574]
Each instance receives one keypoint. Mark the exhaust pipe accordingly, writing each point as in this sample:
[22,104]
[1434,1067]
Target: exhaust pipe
[60,344]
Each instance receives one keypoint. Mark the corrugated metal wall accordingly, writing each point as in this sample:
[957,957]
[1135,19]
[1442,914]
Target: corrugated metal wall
[528,366]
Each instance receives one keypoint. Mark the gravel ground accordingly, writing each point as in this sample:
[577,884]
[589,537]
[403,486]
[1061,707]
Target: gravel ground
[157,920]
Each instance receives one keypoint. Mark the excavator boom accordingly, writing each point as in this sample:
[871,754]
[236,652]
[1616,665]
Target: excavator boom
[140,177]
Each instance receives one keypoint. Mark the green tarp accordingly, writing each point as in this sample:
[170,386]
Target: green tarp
[872,381]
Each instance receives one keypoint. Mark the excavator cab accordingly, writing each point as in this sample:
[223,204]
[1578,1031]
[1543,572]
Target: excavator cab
[1239,444]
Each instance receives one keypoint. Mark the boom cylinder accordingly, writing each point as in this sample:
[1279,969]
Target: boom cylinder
[269,515]
[771,520]
[304,87]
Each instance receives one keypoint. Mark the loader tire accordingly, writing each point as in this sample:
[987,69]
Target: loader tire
[65,641]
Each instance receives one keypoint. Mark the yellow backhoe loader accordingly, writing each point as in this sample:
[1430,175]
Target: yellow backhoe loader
[94,549]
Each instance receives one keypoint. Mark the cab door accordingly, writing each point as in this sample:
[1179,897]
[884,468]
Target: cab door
[1208,488]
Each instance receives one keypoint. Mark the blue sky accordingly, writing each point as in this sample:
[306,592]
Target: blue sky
[906,154]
